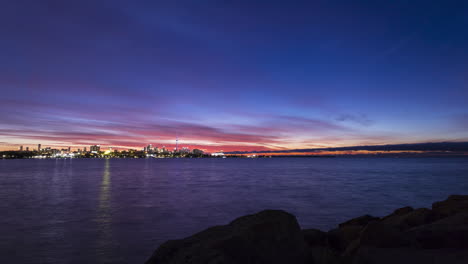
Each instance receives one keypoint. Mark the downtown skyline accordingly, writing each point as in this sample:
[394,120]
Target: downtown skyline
[243,76]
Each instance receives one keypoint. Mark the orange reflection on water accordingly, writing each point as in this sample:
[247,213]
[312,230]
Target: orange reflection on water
[348,152]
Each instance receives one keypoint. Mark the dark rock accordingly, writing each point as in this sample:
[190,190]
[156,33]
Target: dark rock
[319,251]
[411,219]
[389,232]
[453,205]
[372,255]
[399,212]
[359,221]
[352,247]
[407,235]
[315,237]
[267,237]
[324,255]
[383,236]
[450,232]
[340,238]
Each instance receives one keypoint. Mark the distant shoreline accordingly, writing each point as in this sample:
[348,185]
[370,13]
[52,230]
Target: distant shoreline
[429,155]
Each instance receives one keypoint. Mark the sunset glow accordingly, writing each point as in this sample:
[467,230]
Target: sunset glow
[220,80]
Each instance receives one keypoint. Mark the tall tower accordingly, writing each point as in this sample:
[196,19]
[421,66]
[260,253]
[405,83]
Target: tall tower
[177,143]
[38,147]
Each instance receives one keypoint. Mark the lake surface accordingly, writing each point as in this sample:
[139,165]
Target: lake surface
[120,210]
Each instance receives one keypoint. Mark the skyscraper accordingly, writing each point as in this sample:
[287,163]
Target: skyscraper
[38,147]
[149,148]
[95,148]
[21,148]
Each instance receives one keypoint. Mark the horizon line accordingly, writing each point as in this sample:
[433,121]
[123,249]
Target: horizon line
[424,146]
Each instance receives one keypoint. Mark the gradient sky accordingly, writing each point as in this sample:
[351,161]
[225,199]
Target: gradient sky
[232,75]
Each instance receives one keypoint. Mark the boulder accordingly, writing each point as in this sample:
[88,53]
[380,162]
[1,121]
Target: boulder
[407,235]
[319,251]
[315,237]
[371,255]
[270,236]
[340,238]
[324,255]
[345,239]
[453,205]
[450,232]
[381,235]
[399,212]
[411,219]
[390,231]
[359,221]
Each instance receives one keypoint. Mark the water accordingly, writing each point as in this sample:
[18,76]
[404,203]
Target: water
[120,210]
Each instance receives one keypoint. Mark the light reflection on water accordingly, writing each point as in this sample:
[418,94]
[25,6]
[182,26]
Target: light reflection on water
[104,216]
[119,211]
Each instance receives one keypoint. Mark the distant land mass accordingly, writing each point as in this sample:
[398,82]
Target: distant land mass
[458,147]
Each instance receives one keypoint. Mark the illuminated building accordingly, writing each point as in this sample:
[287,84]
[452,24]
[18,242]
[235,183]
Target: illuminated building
[185,150]
[218,154]
[95,148]
[149,148]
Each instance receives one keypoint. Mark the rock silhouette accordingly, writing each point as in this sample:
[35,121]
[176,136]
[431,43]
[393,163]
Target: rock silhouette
[437,235]
[270,236]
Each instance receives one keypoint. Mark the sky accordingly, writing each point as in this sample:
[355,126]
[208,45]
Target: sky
[232,75]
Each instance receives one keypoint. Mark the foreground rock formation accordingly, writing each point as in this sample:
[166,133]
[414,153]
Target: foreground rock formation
[407,235]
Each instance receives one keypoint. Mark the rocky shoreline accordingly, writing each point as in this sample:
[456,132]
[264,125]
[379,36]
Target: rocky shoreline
[437,235]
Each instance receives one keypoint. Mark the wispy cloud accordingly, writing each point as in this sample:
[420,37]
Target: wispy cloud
[120,126]
[360,119]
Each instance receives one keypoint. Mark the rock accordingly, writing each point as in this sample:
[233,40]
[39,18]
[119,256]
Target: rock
[315,237]
[324,255]
[411,219]
[345,239]
[359,221]
[320,252]
[453,205]
[399,212]
[407,235]
[417,236]
[389,232]
[450,232]
[352,247]
[371,255]
[340,238]
[269,236]
[381,235]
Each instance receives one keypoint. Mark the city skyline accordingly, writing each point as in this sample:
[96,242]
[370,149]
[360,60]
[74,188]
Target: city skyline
[444,148]
[243,76]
